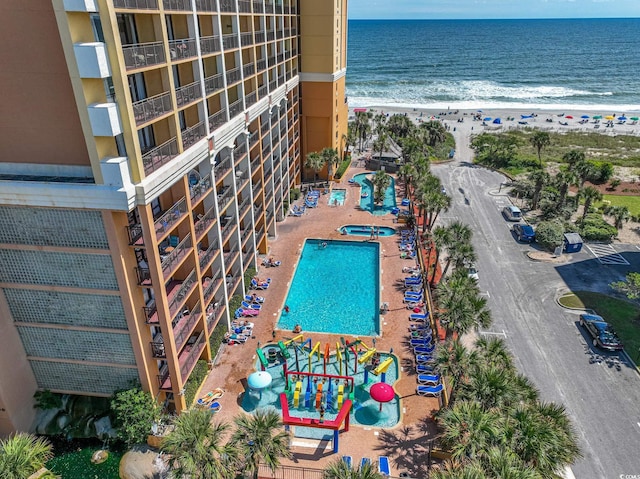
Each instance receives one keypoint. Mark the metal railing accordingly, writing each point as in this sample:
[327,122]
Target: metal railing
[183,332]
[152,107]
[244,6]
[264,124]
[229,255]
[229,41]
[258,7]
[253,138]
[246,39]
[240,150]
[218,119]
[203,224]
[236,108]
[206,6]
[213,83]
[224,199]
[213,286]
[248,69]
[170,262]
[135,233]
[170,217]
[251,98]
[213,311]
[233,76]
[260,36]
[273,85]
[209,45]
[192,357]
[160,155]
[244,204]
[144,276]
[177,5]
[136,4]
[149,313]
[263,92]
[200,189]
[183,48]
[142,55]
[193,134]
[227,5]
[207,256]
[188,93]
[268,6]
[261,64]
[256,189]
[226,232]
[221,168]
[164,382]
[271,36]
[259,234]
[183,292]
[157,348]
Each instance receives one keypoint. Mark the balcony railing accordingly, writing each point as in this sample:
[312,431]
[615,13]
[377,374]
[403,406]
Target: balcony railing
[218,119]
[233,76]
[141,55]
[177,5]
[193,135]
[244,6]
[273,85]
[144,276]
[271,36]
[245,233]
[184,325]
[204,224]
[260,36]
[257,7]
[200,189]
[249,69]
[256,189]
[160,155]
[206,5]
[244,204]
[182,293]
[212,285]
[209,45]
[246,39]
[227,5]
[173,259]
[192,354]
[253,138]
[226,232]
[230,41]
[264,125]
[213,312]
[152,107]
[164,380]
[183,48]
[239,150]
[208,255]
[188,93]
[229,255]
[250,99]
[157,347]
[136,4]
[213,83]
[236,108]
[225,198]
[259,234]
[268,6]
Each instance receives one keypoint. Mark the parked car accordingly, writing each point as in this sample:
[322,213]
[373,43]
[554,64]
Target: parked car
[512,213]
[473,273]
[524,232]
[602,333]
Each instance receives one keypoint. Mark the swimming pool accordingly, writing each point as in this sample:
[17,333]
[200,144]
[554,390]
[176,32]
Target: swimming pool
[335,289]
[365,412]
[366,198]
[365,230]
[337,197]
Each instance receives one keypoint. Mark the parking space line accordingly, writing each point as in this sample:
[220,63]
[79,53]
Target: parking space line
[606,254]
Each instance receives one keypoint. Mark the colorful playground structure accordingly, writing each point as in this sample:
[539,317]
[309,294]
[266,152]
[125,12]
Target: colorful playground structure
[318,385]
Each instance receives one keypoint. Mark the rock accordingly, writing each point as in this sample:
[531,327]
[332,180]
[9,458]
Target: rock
[142,462]
[99,456]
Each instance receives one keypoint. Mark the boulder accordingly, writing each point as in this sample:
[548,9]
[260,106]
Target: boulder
[142,462]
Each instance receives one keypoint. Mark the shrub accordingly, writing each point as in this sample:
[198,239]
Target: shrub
[342,168]
[550,234]
[217,337]
[605,171]
[134,412]
[614,183]
[47,400]
[235,302]
[594,228]
[294,194]
[195,381]
[249,274]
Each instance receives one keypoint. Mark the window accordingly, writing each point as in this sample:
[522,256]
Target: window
[96,24]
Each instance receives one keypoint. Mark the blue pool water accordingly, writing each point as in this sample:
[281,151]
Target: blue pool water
[335,289]
[365,412]
[337,197]
[366,199]
[365,230]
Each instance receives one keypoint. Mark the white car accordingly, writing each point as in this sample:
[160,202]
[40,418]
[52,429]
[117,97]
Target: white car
[473,273]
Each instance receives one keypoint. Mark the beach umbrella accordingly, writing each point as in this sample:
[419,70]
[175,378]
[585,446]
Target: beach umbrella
[497,121]
[382,392]
[488,118]
[622,118]
[569,117]
[597,117]
[635,118]
[609,117]
[584,116]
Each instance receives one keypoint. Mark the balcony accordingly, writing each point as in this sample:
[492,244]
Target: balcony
[230,41]
[217,119]
[253,138]
[204,223]
[177,5]
[170,218]
[247,259]
[260,36]
[188,94]
[236,108]
[227,6]
[233,76]
[250,99]
[257,7]
[150,313]
[209,45]
[144,276]
[232,284]
[214,311]
[268,6]
[245,233]
[205,257]
[229,256]
[200,189]
[178,292]
[183,49]
[157,347]
[136,4]
[227,230]
[172,260]
[246,39]
[256,189]
[271,36]
[279,34]
[193,135]
[264,126]
[213,84]
[239,151]
[244,6]
[160,155]
[152,107]
[273,85]
[210,286]
[222,168]
[183,325]
[189,356]
[248,69]
[259,234]
[261,64]
[224,199]
[164,380]
[143,55]
[206,6]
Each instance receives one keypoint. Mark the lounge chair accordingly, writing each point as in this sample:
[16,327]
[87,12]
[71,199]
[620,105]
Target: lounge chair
[419,316]
[424,358]
[412,299]
[419,328]
[348,460]
[424,349]
[413,279]
[383,466]
[245,313]
[421,342]
[260,286]
[249,298]
[428,378]
[234,338]
[295,213]
[215,407]
[364,461]
[425,368]
[422,390]
[246,305]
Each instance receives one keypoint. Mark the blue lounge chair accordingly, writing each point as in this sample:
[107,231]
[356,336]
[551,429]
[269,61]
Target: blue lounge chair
[348,460]
[422,390]
[419,316]
[364,461]
[424,358]
[428,378]
[421,342]
[250,299]
[383,466]
[419,327]
[215,407]
[424,349]
[261,286]
[246,305]
[425,368]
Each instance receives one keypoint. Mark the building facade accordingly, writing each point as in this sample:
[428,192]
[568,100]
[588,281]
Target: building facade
[147,152]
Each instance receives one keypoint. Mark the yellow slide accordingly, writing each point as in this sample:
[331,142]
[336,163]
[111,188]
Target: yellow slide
[383,366]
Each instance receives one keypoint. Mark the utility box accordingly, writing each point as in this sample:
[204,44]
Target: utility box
[572,242]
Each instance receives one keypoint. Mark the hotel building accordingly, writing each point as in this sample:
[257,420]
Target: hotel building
[147,152]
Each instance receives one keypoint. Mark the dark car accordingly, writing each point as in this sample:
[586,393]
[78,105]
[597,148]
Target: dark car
[524,232]
[602,333]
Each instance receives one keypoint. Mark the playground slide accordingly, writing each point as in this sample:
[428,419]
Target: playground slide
[294,339]
[319,396]
[340,395]
[262,357]
[366,356]
[315,350]
[296,394]
[383,366]
[284,350]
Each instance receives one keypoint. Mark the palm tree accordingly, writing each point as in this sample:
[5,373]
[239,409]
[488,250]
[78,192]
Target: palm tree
[573,156]
[459,470]
[315,162]
[195,447]
[339,469]
[331,158]
[400,126]
[462,308]
[493,352]
[584,170]
[439,202]
[563,180]
[539,140]
[434,132]
[453,361]
[620,215]
[441,238]
[590,195]
[503,463]
[362,126]
[257,439]
[349,138]
[539,178]
[405,173]
[461,255]
[490,386]
[23,454]
[381,182]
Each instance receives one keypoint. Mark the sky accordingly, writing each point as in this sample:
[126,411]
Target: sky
[472,9]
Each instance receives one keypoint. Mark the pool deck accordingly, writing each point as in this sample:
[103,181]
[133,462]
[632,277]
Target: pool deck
[407,443]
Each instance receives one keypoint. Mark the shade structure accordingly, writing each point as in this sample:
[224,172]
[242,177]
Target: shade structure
[259,380]
[609,117]
[382,392]
[359,110]
[584,116]
[634,118]
[622,118]
[597,117]
[487,118]
[569,117]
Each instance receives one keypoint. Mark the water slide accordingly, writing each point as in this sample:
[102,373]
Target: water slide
[383,366]
[263,358]
[296,394]
[284,350]
[315,350]
[319,396]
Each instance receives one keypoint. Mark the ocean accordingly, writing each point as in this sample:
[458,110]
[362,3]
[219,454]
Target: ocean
[468,64]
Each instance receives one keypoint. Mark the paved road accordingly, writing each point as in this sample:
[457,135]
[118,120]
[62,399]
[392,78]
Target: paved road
[600,391]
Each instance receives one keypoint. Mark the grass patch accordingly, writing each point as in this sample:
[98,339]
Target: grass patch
[622,315]
[73,461]
[631,202]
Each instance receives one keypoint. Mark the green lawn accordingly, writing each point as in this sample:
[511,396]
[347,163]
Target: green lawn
[622,315]
[76,464]
[631,202]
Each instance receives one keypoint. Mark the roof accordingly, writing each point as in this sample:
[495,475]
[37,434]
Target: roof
[572,238]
